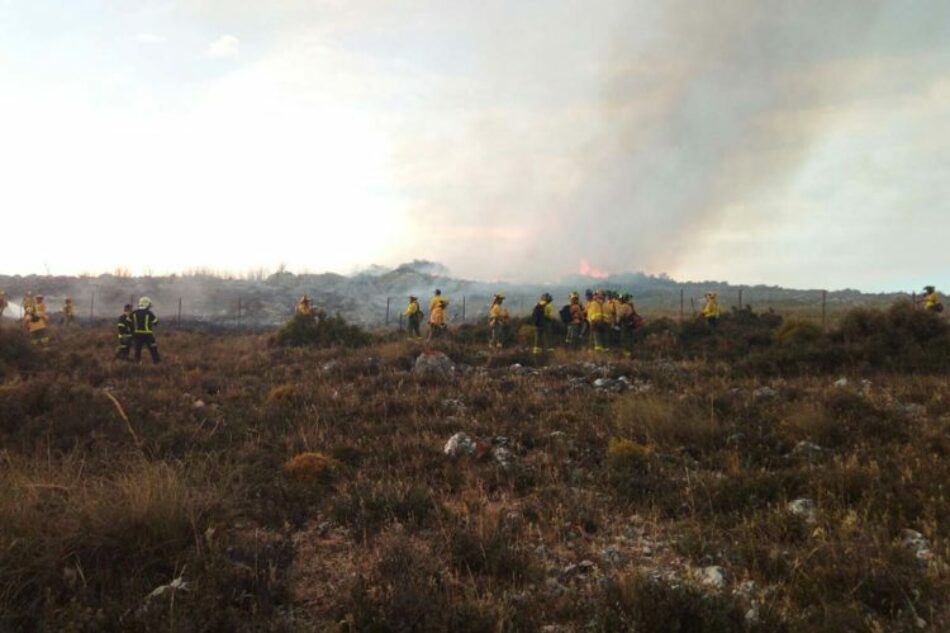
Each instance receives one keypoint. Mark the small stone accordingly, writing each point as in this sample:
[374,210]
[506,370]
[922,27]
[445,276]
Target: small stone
[764,392]
[612,555]
[460,444]
[433,364]
[804,508]
[713,576]
[503,456]
[841,383]
[752,615]
[199,404]
[807,449]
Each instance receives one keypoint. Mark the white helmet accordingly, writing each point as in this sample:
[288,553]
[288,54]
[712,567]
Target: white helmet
[145,303]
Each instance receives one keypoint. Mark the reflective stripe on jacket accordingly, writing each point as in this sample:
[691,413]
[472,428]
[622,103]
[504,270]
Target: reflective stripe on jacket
[143,320]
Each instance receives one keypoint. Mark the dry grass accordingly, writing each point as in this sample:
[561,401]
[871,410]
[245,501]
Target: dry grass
[295,489]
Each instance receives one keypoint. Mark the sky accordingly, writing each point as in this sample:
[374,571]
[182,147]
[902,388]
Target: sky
[804,144]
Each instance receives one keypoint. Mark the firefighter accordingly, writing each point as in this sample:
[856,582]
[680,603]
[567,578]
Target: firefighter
[932,300]
[625,316]
[36,320]
[125,328]
[497,321]
[304,306]
[711,311]
[413,315]
[69,312]
[598,321]
[542,316]
[576,320]
[436,297]
[437,325]
[143,322]
[28,302]
[3,302]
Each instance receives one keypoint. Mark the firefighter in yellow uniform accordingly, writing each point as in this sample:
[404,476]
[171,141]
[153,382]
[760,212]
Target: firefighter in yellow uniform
[497,320]
[413,316]
[932,300]
[437,324]
[598,321]
[28,302]
[3,302]
[69,312]
[36,321]
[304,306]
[143,322]
[436,298]
[711,310]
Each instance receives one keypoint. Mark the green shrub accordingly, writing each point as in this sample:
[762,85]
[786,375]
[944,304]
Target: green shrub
[321,331]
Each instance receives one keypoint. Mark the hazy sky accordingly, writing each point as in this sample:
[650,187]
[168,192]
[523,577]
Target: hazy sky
[800,143]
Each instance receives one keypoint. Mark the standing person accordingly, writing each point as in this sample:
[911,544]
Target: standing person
[437,325]
[711,310]
[497,321]
[437,297]
[143,320]
[413,315]
[626,315]
[69,312]
[304,306]
[35,319]
[931,300]
[125,327]
[3,302]
[585,324]
[598,321]
[542,316]
[28,302]
[576,320]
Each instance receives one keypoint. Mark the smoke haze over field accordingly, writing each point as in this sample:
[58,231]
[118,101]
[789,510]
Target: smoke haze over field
[802,144]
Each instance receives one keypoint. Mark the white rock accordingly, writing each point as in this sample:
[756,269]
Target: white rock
[841,383]
[804,508]
[713,576]
[433,364]
[460,444]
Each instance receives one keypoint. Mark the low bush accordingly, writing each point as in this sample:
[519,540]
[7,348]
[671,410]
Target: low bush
[321,331]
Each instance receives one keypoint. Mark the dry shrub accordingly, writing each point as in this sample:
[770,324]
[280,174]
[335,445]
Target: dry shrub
[810,420]
[311,467]
[283,394]
[795,332]
[664,421]
[117,536]
[637,603]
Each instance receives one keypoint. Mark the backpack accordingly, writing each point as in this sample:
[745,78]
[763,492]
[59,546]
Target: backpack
[538,314]
[566,314]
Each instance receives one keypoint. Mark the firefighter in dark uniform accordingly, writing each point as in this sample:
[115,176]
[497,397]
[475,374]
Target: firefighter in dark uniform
[125,327]
[143,320]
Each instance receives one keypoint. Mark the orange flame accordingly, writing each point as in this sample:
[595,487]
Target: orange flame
[594,272]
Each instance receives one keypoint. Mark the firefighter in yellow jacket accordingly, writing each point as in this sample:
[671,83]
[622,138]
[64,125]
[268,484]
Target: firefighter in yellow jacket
[497,321]
[542,316]
[3,302]
[598,321]
[437,325]
[304,306]
[36,321]
[28,302]
[413,316]
[932,300]
[711,310]
[436,298]
[625,312]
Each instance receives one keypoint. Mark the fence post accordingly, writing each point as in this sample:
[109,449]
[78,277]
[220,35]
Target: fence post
[388,299]
[682,304]
[132,300]
[692,306]
[239,312]
[178,323]
[740,298]
[463,308]
[92,307]
[913,298]
[824,309]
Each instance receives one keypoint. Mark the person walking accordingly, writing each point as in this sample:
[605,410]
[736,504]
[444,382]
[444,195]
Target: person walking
[69,312]
[143,324]
[497,321]
[125,329]
[36,321]
[413,316]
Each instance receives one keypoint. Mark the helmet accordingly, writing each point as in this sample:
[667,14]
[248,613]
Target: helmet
[413,298]
[929,288]
[29,293]
[547,297]
[145,303]
[574,295]
[39,297]
[437,291]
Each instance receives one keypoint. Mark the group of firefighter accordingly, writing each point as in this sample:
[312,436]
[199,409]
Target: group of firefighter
[607,320]
[135,327]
